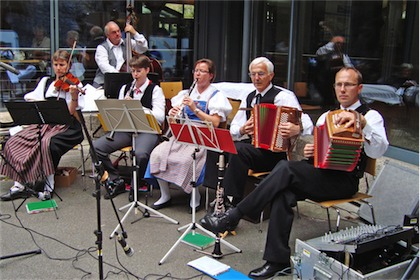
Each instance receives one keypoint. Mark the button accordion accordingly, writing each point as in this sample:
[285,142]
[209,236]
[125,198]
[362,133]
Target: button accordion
[337,147]
[267,118]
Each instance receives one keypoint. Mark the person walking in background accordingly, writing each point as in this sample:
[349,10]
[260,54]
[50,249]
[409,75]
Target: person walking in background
[330,58]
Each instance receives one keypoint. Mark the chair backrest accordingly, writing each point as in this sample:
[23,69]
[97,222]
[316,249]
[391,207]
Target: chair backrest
[371,166]
[170,89]
[235,107]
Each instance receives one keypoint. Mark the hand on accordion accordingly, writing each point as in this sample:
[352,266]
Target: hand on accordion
[248,127]
[289,129]
[309,150]
[346,118]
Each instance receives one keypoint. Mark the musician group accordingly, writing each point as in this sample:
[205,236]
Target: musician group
[170,163]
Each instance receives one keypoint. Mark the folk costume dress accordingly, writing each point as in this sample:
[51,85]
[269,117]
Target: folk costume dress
[172,161]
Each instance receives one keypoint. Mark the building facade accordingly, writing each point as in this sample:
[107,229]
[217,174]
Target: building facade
[380,37]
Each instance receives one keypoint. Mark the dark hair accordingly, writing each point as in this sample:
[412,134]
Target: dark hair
[210,65]
[141,61]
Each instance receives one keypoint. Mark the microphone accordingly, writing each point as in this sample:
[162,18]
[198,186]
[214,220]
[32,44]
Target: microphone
[127,249]
[9,68]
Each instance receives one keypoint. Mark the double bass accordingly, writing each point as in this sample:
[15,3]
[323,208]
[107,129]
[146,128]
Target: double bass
[155,67]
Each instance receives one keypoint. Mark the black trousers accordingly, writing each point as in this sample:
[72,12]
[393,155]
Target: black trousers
[248,157]
[65,141]
[290,181]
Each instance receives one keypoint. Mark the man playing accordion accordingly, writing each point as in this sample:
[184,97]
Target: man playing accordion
[290,181]
[261,72]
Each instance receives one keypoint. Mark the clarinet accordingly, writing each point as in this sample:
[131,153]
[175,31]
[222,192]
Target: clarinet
[168,133]
[219,205]
[130,91]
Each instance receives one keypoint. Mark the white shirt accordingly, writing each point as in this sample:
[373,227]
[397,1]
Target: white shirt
[139,44]
[158,100]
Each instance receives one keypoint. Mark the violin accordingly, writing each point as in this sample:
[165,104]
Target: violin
[64,82]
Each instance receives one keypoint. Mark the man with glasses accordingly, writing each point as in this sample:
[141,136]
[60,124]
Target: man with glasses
[261,72]
[292,180]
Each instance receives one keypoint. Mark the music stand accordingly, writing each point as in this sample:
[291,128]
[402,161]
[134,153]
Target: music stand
[129,116]
[201,135]
[39,112]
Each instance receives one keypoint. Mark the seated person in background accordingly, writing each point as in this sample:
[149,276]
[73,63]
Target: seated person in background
[22,150]
[152,98]
[112,54]
[399,88]
[261,71]
[96,37]
[291,180]
[171,162]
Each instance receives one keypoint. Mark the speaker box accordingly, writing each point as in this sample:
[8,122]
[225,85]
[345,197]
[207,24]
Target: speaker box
[395,194]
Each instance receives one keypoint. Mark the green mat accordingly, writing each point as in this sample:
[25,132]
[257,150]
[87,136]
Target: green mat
[41,206]
[198,240]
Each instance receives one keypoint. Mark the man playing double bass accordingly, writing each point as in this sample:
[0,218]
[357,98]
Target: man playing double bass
[111,55]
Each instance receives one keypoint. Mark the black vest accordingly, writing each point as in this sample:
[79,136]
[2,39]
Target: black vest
[268,97]
[146,99]
[359,170]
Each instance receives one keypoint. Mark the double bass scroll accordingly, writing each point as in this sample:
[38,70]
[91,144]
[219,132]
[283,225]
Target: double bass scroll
[156,72]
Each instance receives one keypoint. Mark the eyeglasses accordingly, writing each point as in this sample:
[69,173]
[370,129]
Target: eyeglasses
[199,70]
[260,74]
[346,85]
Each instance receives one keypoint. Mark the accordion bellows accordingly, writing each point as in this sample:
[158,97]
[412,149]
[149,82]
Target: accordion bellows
[337,147]
[267,118]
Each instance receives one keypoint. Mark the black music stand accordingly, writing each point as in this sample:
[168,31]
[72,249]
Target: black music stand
[39,112]
[129,116]
[201,135]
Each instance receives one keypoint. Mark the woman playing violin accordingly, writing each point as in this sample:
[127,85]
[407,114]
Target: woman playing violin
[22,150]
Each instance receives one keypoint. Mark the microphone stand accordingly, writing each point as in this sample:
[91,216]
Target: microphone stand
[100,178]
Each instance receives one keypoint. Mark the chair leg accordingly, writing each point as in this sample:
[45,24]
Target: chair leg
[261,220]
[297,211]
[82,154]
[329,219]
[338,219]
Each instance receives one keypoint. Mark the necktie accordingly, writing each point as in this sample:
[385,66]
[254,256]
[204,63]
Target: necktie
[258,98]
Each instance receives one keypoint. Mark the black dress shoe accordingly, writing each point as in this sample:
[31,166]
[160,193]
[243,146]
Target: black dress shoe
[116,187]
[227,221]
[16,194]
[269,269]
[162,205]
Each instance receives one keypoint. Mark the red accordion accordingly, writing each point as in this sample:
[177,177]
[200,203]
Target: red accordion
[267,118]
[337,147]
